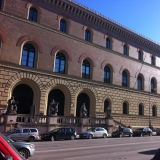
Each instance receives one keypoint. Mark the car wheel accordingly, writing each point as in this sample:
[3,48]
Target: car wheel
[130,135]
[90,136]
[72,137]
[120,135]
[104,135]
[24,153]
[141,134]
[31,139]
[52,138]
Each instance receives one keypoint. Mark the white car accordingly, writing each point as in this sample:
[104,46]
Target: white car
[94,132]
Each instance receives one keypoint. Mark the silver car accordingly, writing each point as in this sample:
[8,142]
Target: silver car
[25,149]
[26,134]
[94,132]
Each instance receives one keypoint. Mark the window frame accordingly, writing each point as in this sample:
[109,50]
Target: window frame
[141,111]
[107,73]
[37,16]
[66,25]
[84,75]
[62,57]
[108,43]
[28,55]
[140,56]
[125,110]
[154,111]
[153,60]
[88,38]
[153,85]
[125,78]
[125,50]
[138,82]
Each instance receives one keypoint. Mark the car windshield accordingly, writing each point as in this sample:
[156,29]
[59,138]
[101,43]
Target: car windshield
[119,129]
[10,131]
[55,130]
[91,129]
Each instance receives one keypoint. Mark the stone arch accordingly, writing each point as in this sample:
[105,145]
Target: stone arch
[36,5]
[61,48]
[109,63]
[108,35]
[65,87]
[32,81]
[90,91]
[110,99]
[125,43]
[65,17]
[3,36]
[26,38]
[87,55]
[89,28]
[124,68]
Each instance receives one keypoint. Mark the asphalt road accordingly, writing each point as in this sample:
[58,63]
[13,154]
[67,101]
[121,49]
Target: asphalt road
[126,148]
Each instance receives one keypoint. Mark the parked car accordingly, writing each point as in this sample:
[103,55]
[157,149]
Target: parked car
[26,134]
[94,132]
[157,131]
[142,132]
[7,151]
[121,132]
[25,149]
[60,133]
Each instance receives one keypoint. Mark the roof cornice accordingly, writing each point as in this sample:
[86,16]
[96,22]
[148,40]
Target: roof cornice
[94,17]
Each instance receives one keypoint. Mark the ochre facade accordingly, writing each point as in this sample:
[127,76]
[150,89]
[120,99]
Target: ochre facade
[45,35]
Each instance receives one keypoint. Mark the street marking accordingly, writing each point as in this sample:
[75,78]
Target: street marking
[92,147]
[115,153]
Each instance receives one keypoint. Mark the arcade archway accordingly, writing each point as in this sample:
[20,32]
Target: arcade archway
[83,98]
[59,97]
[24,95]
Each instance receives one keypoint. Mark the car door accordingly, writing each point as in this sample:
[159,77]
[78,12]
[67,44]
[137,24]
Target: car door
[25,134]
[16,134]
[61,134]
[68,133]
[97,132]
[125,133]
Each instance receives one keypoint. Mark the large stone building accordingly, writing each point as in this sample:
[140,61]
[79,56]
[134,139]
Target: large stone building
[59,49]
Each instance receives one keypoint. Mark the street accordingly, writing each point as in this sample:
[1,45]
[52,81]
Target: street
[126,148]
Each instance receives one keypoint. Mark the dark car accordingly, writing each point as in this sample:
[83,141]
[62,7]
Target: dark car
[59,133]
[120,132]
[25,149]
[142,132]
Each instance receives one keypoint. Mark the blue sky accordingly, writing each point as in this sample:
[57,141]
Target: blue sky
[141,16]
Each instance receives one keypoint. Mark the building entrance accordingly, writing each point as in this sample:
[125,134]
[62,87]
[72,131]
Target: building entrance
[59,97]
[83,98]
[23,94]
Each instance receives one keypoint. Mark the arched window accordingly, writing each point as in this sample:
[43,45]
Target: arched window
[153,85]
[107,74]
[63,26]
[125,108]
[28,55]
[154,112]
[33,14]
[125,50]
[0,4]
[60,63]
[153,60]
[106,105]
[87,35]
[140,57]
[86,69]
[124,79]
[108,43]
[140,109]
[139,83]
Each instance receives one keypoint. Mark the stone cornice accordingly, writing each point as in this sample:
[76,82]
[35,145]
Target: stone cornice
[81,11]
[19,68]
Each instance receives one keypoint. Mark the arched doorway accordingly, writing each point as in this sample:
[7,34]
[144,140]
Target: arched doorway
[83,98]
[59,97]
[24,95]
